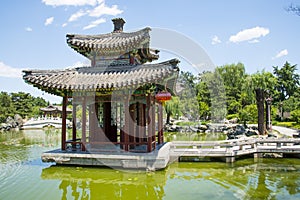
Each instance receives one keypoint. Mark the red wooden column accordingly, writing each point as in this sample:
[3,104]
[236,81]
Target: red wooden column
[92,122]
[74,122]
[132,125]
[107,121]
[140,125]
[153,122]
[149,122]
[83,139]
[127,121]
[64,123]
[160,124]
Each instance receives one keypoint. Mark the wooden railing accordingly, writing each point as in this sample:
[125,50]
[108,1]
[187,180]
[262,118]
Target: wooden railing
[79,145]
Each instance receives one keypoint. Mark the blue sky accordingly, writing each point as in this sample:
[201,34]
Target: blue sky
[260,34]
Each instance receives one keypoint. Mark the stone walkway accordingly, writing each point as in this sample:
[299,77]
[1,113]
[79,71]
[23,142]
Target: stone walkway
[285,131]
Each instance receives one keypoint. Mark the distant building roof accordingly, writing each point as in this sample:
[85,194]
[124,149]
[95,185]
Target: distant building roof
[52,108]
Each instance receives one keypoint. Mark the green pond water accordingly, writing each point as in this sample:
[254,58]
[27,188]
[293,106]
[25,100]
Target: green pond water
[24,176]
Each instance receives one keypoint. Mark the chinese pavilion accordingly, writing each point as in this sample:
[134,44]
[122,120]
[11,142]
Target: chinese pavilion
[53,111]
[117,93]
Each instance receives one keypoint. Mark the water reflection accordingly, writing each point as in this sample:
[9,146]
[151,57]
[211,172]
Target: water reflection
[17,146]
[24,176]
[265,179]
[105,183]
[246,179]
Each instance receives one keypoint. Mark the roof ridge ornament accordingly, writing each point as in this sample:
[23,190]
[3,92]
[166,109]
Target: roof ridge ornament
[118,25]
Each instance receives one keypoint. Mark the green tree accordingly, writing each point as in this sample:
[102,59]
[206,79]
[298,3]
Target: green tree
[188,96]
[6,107]
[40,102]
[253,91]
[287,81]
[248,114]
[296,116]
[204,110]
[188,79]
[292,103]
[23,103]
[264,80]
[217,95]
[247,96]
[203,97]
[233,76]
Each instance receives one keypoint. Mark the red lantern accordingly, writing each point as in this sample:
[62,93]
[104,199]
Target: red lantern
[163,96]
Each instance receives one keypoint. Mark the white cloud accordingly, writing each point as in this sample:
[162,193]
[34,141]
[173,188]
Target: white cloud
[49,21]
[70,2]
[80,64]
[102,9]
[98,9]
[77,15]
[281,53]
[94,23]
[249,34]
[215,40]
[7,71]
[29,29]
[254,41]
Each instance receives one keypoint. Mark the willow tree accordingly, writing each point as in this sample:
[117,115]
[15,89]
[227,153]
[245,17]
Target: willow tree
[188,95]
[259,83]
[172,108]
[217,95]
[233,77]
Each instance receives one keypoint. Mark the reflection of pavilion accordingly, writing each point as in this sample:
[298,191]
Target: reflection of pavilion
[247,180]
[93,183]
[117,95]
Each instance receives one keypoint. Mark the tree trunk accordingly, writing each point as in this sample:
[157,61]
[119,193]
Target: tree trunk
[260,108]
[168,118]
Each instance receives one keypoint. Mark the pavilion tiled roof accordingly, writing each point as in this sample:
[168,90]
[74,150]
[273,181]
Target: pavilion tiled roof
[62,82]
[109,43]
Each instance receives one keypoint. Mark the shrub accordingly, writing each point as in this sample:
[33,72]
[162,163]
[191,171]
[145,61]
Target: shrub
[232,116]
[285,124]
[296,116]
[189,123]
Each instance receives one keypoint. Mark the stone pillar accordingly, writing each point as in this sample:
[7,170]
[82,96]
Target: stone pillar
[230,159]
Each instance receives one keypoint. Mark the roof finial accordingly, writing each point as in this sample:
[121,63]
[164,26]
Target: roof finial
[118,24]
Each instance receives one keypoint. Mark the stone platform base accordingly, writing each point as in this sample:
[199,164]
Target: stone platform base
[158,159]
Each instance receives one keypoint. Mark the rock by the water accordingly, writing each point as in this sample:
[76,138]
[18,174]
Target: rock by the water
[11,123]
